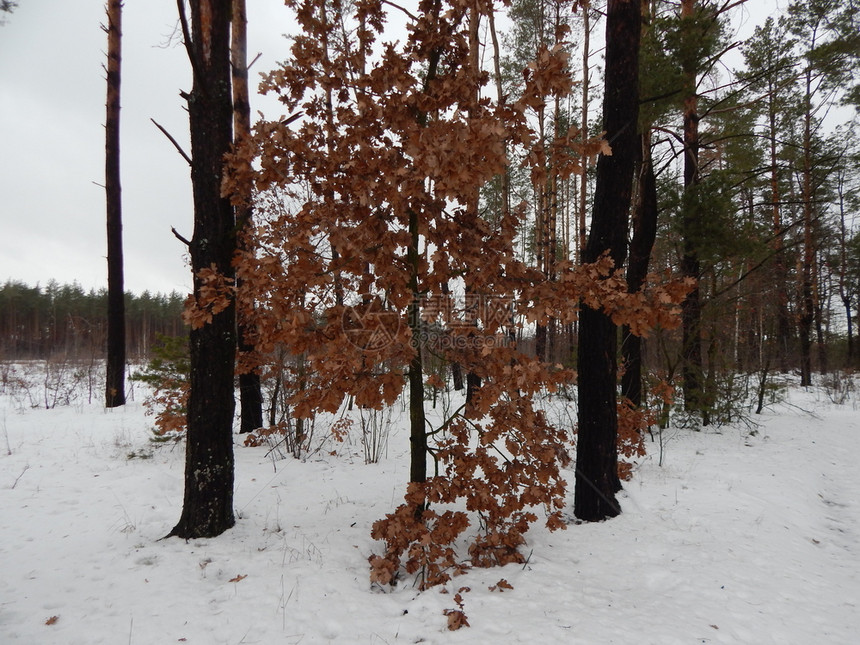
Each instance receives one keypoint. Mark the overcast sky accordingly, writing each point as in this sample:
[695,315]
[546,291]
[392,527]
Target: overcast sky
[52,111]
[52,97]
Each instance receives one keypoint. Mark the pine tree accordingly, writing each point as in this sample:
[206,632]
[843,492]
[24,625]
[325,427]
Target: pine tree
[115,378]
[207,508]
[771,66]
[827,45]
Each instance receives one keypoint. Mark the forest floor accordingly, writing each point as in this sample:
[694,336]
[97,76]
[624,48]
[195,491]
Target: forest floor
[738,537]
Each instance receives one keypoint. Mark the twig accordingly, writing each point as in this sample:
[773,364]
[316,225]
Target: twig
[186,37]
[403,9]
[173,141]
[26,468]
[528,559]
[6,436]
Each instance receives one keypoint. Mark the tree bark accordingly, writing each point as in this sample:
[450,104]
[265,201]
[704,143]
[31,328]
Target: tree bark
[250,390]
[115,377]
[783,327]
[596,451]
[691,307]
[807,304]
[207,508]
[586,81]
[644,235]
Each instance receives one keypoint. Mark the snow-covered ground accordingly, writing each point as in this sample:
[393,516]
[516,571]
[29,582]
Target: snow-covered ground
[735,539]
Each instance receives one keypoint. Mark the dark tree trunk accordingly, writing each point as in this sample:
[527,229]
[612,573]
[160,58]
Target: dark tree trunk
[250,390]
[415,375]
[115,380]
[783,327]
[457,375]
[821,340]
[691,307]
[596,451]
[207,508]
[540,341]
[644,235]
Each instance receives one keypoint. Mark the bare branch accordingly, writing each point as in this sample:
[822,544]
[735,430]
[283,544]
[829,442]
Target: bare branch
[292,118]
[186,37]
[18,478]
[179,237]
[173,141]
[403,9]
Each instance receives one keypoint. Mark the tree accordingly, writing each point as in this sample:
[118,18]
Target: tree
[596,453]
[652,83]
[847,197]
[827,43]
[771,67]
[695,39]
[115,378]
[250,391]
[207,508]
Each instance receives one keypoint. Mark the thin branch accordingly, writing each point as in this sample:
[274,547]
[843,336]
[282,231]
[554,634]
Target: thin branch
[403,9]
[186,37]
[292,118]
[173,141]
[652,99]
[713,60]
[672,134]
[179,237]
[18,478]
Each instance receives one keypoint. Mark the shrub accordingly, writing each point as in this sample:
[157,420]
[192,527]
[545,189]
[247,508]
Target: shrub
[167,373]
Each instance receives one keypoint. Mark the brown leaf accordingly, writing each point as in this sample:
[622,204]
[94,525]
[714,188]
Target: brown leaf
[501,585]
[456,619]
[52,620]
[237,578]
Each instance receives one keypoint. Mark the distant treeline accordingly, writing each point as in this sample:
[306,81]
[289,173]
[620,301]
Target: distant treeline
[64,320]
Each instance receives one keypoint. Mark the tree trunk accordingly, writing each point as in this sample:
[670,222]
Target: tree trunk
[844,290]
[207,508]
[596,451]
[644,235]
[807,304]
[115,379]
[691,308]
[583,124]
[250,391]
[415,375]
[783,327]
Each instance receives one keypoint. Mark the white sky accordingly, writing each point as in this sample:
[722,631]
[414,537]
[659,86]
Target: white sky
[52,96]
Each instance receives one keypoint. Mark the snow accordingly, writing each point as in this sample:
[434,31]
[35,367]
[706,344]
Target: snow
[736,538]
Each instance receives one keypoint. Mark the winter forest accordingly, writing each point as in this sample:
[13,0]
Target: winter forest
[514,321]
